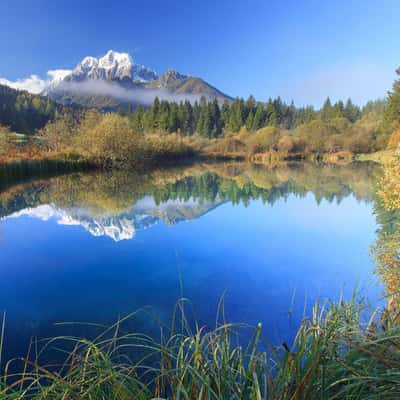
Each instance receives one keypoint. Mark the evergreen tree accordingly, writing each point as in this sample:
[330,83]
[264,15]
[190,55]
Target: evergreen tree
[236,119]
[338,109]
[225,113]
[304,115]
[164,116]
[279,110]
[250,121]
[351,111]
[259,117]
[136,119]
[249,107]
[215,118]
[203,122]
[186,118]
[272,117]
[148,122]
[196,115]
[392,110]
[155,117]
[326,110]
[289,116]
[173,118]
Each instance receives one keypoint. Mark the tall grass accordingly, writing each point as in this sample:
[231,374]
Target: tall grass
[336,354]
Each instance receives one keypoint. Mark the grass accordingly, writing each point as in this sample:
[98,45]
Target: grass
[336,354]
[24,170]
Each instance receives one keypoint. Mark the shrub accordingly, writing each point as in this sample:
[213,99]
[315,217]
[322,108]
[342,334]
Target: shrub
[285,144]
[264,139]
[394,140]
[5,142]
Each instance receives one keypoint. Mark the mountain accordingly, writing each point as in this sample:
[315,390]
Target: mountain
[116,80]
[123,226]
[180,85]
[113,66]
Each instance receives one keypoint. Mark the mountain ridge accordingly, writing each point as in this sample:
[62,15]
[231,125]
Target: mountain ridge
[115,80]
[122,226]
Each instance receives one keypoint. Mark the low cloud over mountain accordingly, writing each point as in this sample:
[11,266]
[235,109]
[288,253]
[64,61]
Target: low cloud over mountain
[113,80]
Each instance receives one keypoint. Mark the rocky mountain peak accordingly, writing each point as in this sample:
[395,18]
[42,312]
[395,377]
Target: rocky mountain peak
[170,77]
[112,66]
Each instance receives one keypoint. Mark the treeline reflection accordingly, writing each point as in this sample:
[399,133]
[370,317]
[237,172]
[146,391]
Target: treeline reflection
[116,192]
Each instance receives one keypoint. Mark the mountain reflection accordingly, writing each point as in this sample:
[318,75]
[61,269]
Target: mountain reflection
[118,204]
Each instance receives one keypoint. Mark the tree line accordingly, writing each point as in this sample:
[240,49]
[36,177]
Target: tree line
[23,112]
[210,119]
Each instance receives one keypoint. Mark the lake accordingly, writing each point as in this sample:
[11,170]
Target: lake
[93,247]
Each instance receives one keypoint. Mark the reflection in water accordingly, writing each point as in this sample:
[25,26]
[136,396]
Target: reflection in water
[118,204]
[257,237]
[122,226]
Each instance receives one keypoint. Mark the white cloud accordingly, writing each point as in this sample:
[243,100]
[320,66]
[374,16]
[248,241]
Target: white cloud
[34,84]
[58,74]
[104,88]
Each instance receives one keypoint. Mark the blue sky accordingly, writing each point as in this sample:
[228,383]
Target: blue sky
[301,50]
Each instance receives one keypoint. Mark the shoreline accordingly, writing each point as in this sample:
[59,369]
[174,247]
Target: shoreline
[21,169]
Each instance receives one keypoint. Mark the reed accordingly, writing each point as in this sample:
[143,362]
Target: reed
[336,354]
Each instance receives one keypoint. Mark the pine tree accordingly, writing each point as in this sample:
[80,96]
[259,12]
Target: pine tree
[351,111]
[236,119]
[164,116]
[392,110]
[155,117]
[272,117]
[186,118]
[136,119]
[289,116]
[279,110]
[250,121]
[148,122]
[338,109]
[259,117]
[216,119]
[249,107]
[173,118]
[196,115]
[326,110]
[225,114]
[202,123]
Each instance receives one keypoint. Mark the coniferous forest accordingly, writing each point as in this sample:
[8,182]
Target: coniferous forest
[240,128]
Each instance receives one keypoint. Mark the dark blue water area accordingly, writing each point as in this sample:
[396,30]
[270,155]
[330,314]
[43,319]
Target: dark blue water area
[267,259]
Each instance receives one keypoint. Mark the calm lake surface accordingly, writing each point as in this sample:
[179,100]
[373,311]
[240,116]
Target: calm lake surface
[92,247]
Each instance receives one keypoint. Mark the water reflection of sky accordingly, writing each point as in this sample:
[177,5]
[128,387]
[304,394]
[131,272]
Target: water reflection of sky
[260,254]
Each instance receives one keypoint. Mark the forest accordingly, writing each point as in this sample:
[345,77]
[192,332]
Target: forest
[23,112]
[245,129]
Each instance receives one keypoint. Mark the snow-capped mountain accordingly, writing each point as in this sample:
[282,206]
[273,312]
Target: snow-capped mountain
[112,66]
[112,227]
[123,226]
[115,80]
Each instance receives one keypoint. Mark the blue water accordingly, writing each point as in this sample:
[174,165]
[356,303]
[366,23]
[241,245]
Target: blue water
[269,259]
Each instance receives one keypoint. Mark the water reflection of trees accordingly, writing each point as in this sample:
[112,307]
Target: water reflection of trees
[237,183]
[115,192]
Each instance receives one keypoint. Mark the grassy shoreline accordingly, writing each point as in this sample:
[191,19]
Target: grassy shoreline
[337,353]
[66,162]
